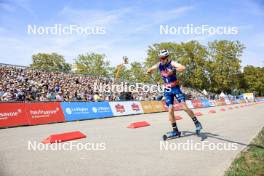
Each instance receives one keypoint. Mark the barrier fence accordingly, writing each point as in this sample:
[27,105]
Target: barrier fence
[27,113]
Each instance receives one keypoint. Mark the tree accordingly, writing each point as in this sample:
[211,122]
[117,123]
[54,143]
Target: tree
[124,74]
[254,79]
[94,64]
[50,62]
[138,73]
[224,65]
[194,58]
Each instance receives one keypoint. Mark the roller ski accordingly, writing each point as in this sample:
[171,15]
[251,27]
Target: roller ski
[171,135]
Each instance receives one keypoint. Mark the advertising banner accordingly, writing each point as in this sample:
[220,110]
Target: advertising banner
[147,106]
[86,110]
[220,102]
[197,104]
[157,106]
[136,107]
[12,114]
[248,96]
[212,102]
[42,113]
[126,107]
[206,103]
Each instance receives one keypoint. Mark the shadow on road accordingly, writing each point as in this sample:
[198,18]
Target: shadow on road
[205,135]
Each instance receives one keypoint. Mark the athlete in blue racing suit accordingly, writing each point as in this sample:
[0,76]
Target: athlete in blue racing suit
[168,69]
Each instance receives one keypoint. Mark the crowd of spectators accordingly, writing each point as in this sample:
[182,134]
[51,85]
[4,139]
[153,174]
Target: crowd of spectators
[24,84]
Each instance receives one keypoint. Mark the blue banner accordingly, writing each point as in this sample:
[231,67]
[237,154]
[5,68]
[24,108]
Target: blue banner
[206,103]
[85,110]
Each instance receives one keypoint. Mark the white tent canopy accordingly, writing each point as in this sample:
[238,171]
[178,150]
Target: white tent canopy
[222,94]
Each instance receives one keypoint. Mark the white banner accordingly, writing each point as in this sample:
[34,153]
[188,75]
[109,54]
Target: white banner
[126,107]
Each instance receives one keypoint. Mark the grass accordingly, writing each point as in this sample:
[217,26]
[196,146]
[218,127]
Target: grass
[250,162]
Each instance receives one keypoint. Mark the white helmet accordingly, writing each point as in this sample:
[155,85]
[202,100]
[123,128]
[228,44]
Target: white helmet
[164,53]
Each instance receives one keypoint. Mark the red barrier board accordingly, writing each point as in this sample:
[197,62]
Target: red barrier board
[12,114]
[197,104]
[43,113]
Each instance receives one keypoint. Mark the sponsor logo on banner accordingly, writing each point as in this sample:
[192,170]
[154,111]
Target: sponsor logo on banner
[43,113]
[6,115]
[101,109]
[135,107]
[13,114]
[86,110]
[120,108]
[77,110]
[126,108]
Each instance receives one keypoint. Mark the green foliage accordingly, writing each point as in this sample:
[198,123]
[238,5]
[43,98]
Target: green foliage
[138,73]
[251,161]
[92,63]
[194,58]
[215,67]
[224,65]
[50,62]
[123,74]
[254,80]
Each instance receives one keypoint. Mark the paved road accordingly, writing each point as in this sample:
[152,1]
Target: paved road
[133,152]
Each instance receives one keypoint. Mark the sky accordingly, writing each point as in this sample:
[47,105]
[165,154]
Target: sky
[129,27]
